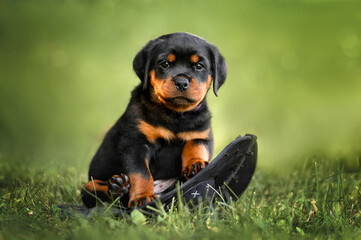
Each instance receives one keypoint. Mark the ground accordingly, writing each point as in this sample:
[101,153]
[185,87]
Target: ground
[318,199]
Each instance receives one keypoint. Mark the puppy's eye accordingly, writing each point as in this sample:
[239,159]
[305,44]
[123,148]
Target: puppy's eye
[199,66]
[165,64]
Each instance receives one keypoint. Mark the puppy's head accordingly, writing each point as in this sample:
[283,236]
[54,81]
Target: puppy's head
[178,70]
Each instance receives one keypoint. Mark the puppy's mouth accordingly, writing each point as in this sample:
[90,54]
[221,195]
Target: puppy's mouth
[179,101]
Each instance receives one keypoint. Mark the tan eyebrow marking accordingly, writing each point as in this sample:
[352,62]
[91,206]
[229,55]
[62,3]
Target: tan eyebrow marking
[171,57]
[194,58]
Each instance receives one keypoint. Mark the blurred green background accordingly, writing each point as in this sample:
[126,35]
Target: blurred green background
[66,75]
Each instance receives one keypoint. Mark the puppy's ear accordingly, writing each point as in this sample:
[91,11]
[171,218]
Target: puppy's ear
[141,63]
[219,69]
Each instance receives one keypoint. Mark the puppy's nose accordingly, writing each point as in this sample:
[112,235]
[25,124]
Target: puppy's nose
[181,83]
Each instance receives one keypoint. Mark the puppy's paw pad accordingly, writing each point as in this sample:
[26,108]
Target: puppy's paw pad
[118,185]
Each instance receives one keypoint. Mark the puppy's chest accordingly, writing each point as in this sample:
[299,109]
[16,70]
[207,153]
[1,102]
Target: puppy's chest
[153,133]
[166,160]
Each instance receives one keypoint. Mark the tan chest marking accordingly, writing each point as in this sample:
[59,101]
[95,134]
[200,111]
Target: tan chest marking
[187,136]
[152,133]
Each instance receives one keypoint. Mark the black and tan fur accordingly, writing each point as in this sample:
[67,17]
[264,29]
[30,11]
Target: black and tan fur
[165,132]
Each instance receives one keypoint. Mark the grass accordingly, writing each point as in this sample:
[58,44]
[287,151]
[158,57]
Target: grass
[316,200]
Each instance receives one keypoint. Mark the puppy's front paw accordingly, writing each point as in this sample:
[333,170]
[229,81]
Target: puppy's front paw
[141,199]
[193,167]
[118,185]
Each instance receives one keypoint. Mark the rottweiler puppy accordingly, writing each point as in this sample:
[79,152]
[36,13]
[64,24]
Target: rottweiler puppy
[165,132]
